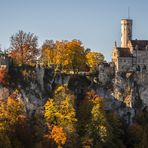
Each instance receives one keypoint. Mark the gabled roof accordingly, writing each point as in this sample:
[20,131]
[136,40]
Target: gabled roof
[124,52]
[141,44]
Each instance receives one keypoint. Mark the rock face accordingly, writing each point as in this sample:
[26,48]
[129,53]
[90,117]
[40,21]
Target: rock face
[33,86]
[105,73]
[4,92]
[122,88]
[40,75]
[117,104]
[132,90]
[123,93]
[143,90]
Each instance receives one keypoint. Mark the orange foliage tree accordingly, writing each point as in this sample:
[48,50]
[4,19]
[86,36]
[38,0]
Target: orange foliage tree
[60,116]
[58,135]
[76,60]
[3,76]
[23,47]
[64,55]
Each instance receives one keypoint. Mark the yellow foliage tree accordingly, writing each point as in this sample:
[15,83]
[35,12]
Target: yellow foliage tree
[48,52]
[60,113]
[99,120]
[76,56]
[61,56]
[94,59]
[64,55]
[10,111]
[97,128]
[11,114]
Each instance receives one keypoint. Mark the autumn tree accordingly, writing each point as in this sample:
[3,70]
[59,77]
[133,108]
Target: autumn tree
[60,116]
[99,127]
[48,53]
[94,59]
[10,111]
[64,55]
[3,76]
[76,56]
[13,122]
[92,127]
[23,47]
[96,127]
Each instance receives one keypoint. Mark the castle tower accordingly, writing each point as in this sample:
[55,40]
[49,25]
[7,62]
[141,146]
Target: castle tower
[126,32]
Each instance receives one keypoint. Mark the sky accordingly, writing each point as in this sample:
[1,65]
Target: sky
[95,22]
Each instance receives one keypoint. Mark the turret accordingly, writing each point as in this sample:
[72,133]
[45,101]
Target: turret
[126,32]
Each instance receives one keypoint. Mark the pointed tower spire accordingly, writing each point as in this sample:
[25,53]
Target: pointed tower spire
[128,12]
[115,44]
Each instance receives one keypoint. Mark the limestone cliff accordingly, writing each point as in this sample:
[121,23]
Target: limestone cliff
[124,93]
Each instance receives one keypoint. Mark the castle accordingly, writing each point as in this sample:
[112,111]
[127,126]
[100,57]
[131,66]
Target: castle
[132,55]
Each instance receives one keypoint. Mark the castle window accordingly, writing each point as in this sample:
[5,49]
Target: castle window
[144,67]
[138,68]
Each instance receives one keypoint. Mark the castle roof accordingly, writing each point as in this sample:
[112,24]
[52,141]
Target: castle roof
[141,44]
[124,52]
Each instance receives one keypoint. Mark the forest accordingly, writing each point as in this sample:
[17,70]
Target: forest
[66,115]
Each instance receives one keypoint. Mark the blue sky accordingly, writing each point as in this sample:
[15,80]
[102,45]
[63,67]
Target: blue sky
[95,22]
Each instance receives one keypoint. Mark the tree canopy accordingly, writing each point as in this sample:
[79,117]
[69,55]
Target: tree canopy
[23,47]
[94,59]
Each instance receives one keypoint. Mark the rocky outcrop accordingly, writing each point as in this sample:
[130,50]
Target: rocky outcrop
[122,93]
[4,92]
